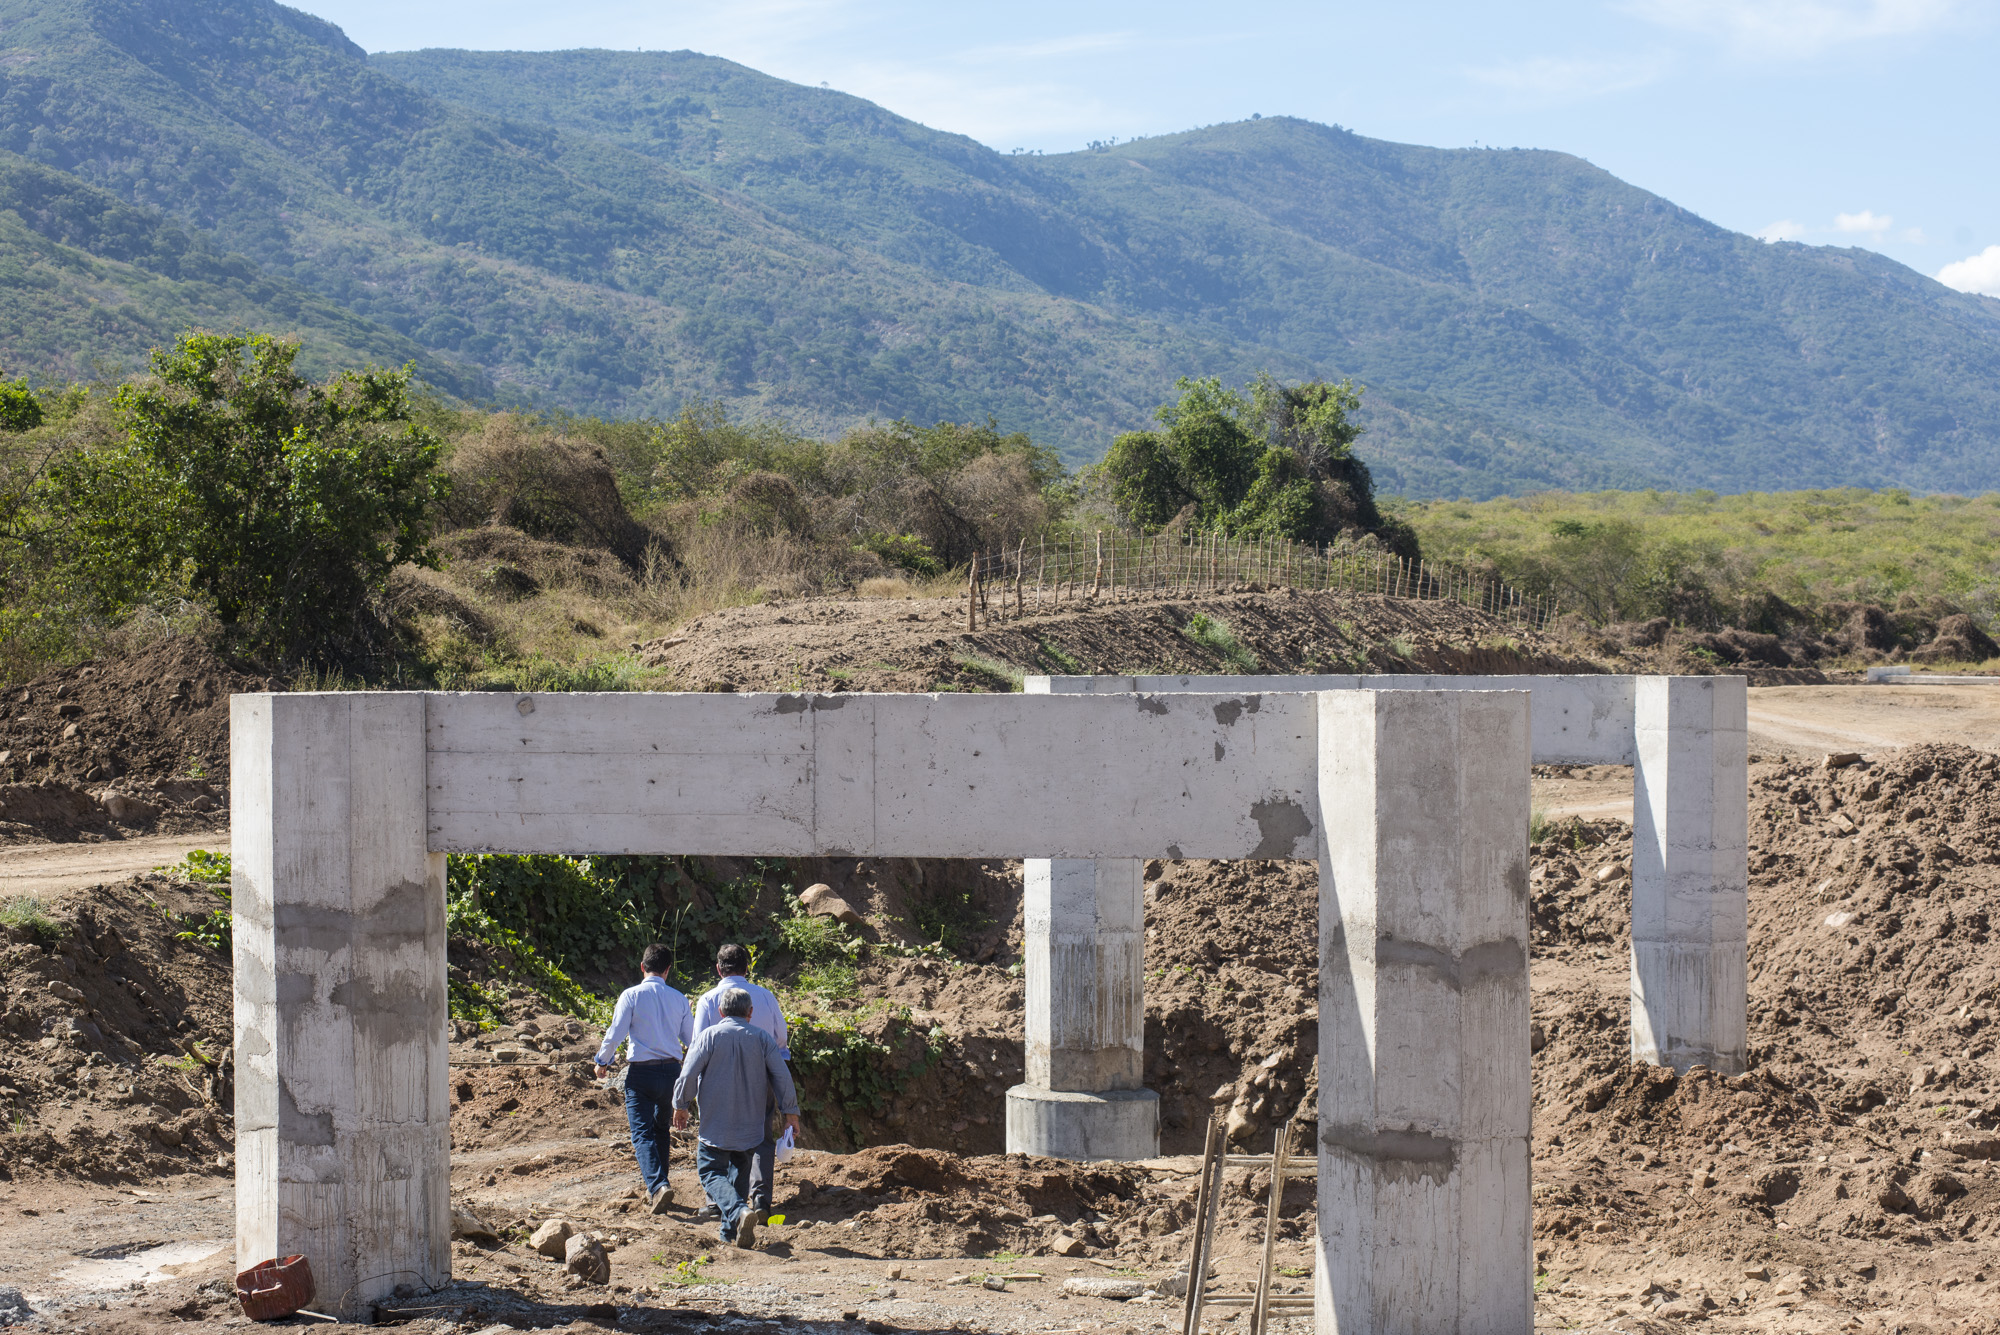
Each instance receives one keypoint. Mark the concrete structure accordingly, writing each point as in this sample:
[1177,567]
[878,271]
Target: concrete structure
[1425,1216]
[344,804]
[1083,1096]
[1687,740]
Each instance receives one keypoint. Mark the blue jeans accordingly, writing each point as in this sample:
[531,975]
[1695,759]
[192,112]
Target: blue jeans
[649,1111]
[725,1176]
[765,1177]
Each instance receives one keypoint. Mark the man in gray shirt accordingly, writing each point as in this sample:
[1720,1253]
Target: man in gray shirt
[738,1072]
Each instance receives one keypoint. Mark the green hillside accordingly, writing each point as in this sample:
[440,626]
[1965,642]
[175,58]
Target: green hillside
[617,232]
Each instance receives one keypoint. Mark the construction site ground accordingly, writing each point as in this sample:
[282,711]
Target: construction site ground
[1849,1182]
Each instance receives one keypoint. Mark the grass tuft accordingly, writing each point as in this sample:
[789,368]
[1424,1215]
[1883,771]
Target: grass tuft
[1214,634]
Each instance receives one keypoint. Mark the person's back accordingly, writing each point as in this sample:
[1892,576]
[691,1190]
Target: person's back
[732,969]
[737,1073]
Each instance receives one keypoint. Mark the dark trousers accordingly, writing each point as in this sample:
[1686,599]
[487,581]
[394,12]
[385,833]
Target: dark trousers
[649,1111]
[725,1176]
[764,1168]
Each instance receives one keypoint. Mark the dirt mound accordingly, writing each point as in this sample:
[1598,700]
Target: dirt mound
[922,644]
[154,727]
[117,1060]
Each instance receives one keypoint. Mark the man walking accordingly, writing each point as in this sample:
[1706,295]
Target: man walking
[732,968]
[737,1072]
[652,1018]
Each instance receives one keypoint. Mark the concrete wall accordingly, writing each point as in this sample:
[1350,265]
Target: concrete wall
[342,1110]
[1425,1215]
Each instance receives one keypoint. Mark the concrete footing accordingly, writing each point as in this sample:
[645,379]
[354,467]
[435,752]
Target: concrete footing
[1690,873]
[1425,1214]
[1086,1014]
[343,1128]
[1073,1124]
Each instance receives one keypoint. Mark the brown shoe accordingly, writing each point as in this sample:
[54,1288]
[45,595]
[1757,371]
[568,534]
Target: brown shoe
[746,1230]
[661,1199]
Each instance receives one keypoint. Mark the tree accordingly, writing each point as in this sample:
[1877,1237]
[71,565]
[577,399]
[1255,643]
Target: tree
[1275,461]
[284,503]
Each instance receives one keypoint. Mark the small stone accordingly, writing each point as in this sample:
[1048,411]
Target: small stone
[821,902]
[1066,1247]
[551,1238]
[1092,1286]
[58,988]
[895,1272]
[583,1256]
[1604,1226]
[995,1283]
[1840,919]
[69,733]
[1756,1272]
[1842,759]
[465,1224]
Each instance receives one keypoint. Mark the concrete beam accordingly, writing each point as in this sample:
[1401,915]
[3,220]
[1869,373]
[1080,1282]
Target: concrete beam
[1579,719]
[1690,873]
[954,776]
[1425,1216]
[342,1108]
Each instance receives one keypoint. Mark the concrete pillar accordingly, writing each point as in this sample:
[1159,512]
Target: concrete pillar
[1690,872]
[342,1106]
[1425,1216]
[1083,1097]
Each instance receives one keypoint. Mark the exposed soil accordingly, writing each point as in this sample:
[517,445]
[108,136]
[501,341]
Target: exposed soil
[151,731]
[923,644]
[1847,1183]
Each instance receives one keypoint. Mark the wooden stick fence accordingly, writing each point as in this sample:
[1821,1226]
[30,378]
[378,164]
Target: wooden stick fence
[1049,574]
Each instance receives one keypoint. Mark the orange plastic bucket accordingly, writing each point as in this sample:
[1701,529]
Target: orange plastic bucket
[271,1289]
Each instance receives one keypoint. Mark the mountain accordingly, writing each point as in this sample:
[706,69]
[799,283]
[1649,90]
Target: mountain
[616,231]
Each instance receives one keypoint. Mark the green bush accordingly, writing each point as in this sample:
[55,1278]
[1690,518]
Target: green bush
[284,504]
[1215,635]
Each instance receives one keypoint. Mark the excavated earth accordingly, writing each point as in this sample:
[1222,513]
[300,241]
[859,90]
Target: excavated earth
[1851,1181]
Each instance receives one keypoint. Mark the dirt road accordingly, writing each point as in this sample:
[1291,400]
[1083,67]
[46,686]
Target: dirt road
[47,869]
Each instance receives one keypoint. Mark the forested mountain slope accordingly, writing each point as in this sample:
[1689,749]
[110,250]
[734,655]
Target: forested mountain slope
[616,231]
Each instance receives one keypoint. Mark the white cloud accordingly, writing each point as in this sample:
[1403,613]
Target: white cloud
[1974,273]
[1914,235]
[1547,79]
[1874,224]
[1798,29]
[1782,230]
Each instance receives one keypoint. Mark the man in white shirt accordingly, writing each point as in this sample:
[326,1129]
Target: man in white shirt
[732,967]
[652,1019]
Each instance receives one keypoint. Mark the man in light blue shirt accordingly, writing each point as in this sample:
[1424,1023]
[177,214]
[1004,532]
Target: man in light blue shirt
[732,967]
[652,1019]
[737,1073]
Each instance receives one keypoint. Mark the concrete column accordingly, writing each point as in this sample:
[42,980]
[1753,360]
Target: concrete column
[1083,1097]
[1690,872]
[1425,1216]
[342,1105]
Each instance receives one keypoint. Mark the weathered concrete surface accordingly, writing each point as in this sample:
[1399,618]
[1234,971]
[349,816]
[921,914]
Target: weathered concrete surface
[1690,873]
[1220,776]
[1086,1013]
[1122,1124]
[1425,1215]
[1578,719]
[342,1111]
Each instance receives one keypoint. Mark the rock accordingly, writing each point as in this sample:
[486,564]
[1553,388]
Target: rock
[1091,1286]
[1240,1125]
[127,809]
[1066,1247]
[995,1283]
[551,1238]
[1983,1148]
[1842,759]
[169,1135]
[14,1309]
[58,988]
[583,1256]
[821,902]
[1173,1284]
[1840,919]
[465,1224]
[1757,1272]
[1538,1038]
[1604,1226]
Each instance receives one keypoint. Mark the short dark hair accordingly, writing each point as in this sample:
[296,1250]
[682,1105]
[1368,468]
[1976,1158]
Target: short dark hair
[657,959]
[733,959]
[735,1002]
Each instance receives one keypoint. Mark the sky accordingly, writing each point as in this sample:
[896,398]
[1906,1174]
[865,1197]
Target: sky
[1871,123]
